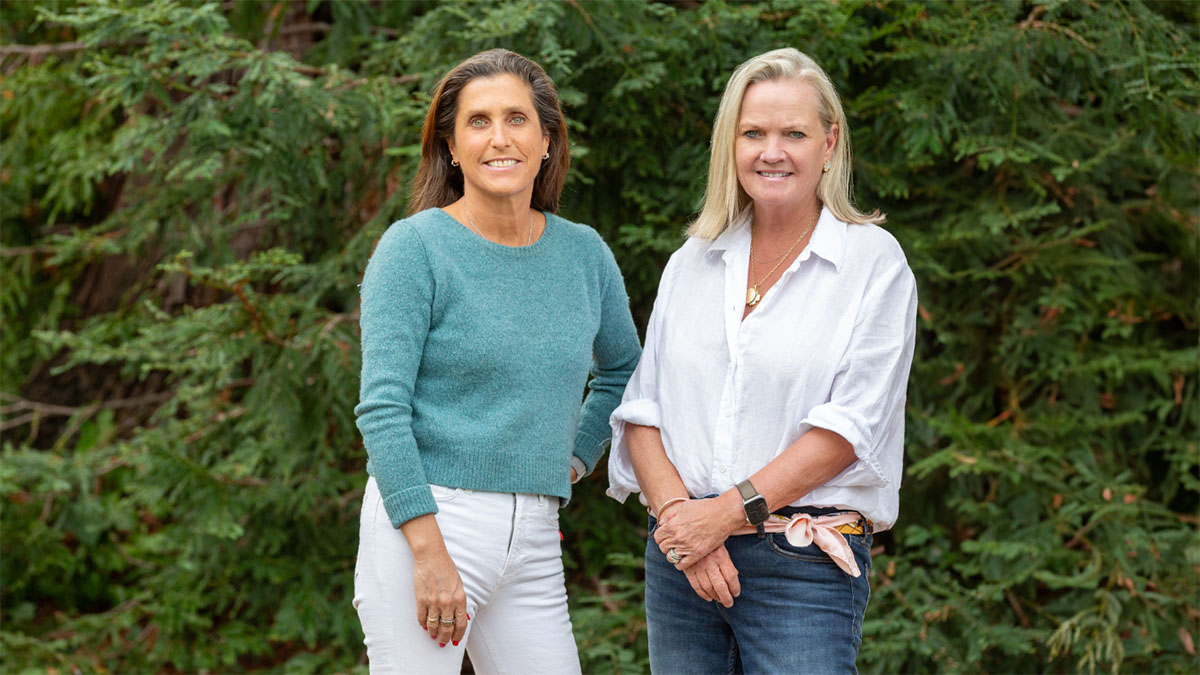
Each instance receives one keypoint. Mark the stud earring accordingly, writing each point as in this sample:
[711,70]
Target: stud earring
[454,162]
[546,156]
[828,165]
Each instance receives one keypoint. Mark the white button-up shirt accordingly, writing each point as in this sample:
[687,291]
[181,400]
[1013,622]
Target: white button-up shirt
[829,345]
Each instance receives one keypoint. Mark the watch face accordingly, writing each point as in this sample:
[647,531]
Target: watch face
[756,510]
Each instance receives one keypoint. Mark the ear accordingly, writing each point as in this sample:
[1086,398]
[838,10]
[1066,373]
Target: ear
[545,144]
[450,145]
[831,139]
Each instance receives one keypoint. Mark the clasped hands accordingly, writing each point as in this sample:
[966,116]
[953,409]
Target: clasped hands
[697,530]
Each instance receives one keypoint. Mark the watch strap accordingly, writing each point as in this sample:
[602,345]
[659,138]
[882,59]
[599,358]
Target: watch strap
[747,490]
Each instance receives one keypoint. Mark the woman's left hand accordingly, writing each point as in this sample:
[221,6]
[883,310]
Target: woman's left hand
[696,527]
[714,577]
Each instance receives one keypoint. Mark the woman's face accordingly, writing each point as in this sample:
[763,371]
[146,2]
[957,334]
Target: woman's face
[781,145]
[498,139]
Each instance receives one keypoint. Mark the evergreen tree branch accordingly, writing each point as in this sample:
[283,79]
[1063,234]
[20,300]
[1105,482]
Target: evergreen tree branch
[17,404]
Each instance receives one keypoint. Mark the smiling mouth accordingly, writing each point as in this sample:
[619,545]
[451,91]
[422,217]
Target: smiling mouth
[501,163]
[774,174]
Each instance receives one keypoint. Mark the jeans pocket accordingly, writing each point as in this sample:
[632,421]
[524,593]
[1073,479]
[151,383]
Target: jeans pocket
[860,545]
[444,494]
[551,512]
[811,553]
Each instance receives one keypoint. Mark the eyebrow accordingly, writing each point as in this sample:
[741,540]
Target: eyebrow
[760,123]
[507,111]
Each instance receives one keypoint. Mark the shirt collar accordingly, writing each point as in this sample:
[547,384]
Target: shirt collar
[828,239]
[736,236]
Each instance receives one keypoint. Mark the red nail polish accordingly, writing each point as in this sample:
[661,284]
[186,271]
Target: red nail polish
[441,644]
[468,616]
[456,643]
[560,537]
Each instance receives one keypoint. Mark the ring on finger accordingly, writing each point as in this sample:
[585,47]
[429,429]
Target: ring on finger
[673,557]
[446,622]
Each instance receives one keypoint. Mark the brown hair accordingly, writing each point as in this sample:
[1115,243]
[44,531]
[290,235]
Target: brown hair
[438,183]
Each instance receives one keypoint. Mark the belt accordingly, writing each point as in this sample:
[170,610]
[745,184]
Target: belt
[860,526]
[803,529]
[855,528]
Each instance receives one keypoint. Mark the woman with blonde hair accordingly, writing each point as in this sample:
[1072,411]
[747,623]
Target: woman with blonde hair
[764,425]
[483,316]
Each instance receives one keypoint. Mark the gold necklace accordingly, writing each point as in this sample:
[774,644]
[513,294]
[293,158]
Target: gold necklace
[752,295]
[528,240]
[764,262]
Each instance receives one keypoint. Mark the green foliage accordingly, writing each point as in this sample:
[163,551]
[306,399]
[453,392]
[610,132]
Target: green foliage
[188,199]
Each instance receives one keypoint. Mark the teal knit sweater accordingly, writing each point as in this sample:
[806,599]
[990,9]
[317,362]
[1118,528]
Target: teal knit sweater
[475,358]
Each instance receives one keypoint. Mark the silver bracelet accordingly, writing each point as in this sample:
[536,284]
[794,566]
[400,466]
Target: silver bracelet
[668,503]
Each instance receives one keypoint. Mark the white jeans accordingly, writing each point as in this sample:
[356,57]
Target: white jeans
[507,550]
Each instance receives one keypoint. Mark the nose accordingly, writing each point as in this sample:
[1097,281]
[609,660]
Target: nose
[499,137]
[772,152]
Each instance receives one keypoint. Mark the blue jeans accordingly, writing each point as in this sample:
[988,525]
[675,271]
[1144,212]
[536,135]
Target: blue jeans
[798,611]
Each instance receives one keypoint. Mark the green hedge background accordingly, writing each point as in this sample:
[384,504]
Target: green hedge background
[189,194]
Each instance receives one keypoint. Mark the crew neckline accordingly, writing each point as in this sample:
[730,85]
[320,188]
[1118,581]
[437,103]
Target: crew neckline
[495,247]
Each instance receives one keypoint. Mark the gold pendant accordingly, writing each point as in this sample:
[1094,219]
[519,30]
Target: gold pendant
[753,296]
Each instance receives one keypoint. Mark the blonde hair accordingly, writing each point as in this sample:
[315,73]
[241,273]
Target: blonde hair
[724,198]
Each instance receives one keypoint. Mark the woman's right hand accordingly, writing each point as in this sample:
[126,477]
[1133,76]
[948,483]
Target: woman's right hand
[440,595]
[436,584]
[697,527]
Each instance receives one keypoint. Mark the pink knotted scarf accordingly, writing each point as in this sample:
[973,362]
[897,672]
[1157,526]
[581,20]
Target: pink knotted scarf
[802,530]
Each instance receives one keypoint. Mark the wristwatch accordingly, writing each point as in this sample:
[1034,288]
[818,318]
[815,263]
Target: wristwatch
[755,506]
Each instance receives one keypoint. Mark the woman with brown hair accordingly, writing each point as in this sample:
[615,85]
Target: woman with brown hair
[483,315]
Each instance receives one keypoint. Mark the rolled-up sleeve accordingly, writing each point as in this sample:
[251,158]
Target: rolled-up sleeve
[640,404]
[866,404]
[397,295]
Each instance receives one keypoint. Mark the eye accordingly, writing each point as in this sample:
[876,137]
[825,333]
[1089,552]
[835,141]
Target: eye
[478,122]
[796,134]
[752,133]
[518,119]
